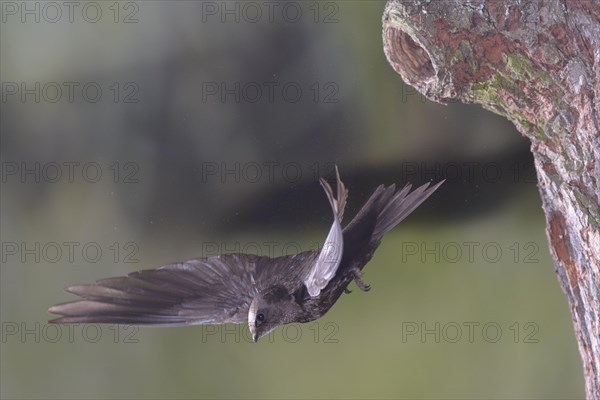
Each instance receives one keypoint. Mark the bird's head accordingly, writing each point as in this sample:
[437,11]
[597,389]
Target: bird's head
[270,309]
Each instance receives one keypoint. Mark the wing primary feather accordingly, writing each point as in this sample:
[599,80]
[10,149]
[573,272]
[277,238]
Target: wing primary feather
[331,253]
[211,290]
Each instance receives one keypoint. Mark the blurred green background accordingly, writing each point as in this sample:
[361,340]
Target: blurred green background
[209,123]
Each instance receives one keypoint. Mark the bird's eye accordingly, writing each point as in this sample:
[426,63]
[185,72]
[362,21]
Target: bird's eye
[260,317]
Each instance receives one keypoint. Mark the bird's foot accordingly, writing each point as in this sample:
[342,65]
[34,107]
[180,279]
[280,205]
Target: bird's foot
[347,291]
[361,285]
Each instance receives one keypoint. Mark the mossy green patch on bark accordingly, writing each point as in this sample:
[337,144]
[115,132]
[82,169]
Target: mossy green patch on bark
[523,69]
[492,94]
[456,57]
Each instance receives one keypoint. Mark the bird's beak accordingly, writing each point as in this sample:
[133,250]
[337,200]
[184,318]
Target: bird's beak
[253,332]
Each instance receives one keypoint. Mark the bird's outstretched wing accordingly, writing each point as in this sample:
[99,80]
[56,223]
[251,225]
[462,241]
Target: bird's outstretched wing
[330,255]
[210,290]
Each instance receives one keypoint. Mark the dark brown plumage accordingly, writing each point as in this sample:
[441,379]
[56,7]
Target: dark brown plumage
[266,292]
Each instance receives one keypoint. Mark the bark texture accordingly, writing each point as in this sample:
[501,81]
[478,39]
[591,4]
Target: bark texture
[538,64]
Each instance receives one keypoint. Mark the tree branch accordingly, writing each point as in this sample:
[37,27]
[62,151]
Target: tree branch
[538,64]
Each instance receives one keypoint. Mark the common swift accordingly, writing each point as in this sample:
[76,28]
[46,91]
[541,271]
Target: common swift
[235,288]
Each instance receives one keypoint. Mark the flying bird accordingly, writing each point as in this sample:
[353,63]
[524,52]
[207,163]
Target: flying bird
[266,292]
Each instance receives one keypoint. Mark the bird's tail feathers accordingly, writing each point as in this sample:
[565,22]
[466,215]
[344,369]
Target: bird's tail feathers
[394,205]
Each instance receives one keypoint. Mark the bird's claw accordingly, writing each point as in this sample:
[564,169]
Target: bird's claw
[347,291]
[361,285]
